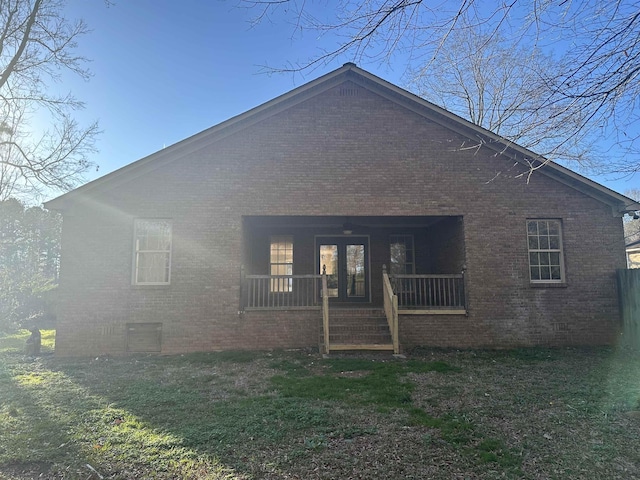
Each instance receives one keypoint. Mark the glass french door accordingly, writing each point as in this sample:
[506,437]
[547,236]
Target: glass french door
[346,260]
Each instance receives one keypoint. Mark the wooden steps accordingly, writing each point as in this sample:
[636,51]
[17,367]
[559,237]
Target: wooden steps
[359,329]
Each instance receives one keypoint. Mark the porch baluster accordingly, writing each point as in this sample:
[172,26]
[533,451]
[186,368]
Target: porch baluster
[430,292]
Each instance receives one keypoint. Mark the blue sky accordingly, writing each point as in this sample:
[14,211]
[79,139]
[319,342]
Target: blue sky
[165,70]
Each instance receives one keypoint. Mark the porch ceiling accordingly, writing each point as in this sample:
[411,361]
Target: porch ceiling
[340,221]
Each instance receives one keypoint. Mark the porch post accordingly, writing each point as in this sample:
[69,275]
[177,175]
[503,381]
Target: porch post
[325,310]
[464,290]
[241,290]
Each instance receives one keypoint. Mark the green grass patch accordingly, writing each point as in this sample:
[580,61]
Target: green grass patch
[454,428]
[492,450]
[391,367]
[371,389]
[358,381]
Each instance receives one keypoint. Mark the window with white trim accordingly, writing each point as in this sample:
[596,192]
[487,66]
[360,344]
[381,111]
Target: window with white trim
[281,263]
[545,251]
[152,257]
[401,255]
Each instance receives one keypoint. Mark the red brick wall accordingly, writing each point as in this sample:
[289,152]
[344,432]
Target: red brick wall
[334,155]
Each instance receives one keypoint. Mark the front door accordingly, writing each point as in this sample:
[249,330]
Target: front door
[346,260]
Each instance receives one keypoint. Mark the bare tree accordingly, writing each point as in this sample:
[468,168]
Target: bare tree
[37,44]
[484,78]
[595,46]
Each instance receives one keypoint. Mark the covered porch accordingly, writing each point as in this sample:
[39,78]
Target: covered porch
[396,265]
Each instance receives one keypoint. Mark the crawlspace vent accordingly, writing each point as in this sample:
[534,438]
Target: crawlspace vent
[144,337]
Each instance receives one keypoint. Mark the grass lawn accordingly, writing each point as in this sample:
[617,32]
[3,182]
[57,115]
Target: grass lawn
[439,414]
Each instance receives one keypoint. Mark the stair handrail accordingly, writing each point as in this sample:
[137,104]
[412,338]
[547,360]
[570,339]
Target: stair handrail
[391,309]
[325,309]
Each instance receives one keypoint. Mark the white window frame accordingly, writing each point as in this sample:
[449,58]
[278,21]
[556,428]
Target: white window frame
[137,252]
[542,243]
[281,285]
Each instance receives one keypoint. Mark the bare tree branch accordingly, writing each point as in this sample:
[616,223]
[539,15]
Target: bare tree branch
[37,43]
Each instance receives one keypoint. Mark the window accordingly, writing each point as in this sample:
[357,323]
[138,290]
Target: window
[152,262]
[545,251]
[281,263]
[401,254]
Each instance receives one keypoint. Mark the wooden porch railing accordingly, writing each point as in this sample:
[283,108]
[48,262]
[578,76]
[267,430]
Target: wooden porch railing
[391,309]
[287,292]
[430,292]
[281,292]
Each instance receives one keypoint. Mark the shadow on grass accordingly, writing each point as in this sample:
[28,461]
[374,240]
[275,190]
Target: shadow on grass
[55,419]
[37,420]
[158,411]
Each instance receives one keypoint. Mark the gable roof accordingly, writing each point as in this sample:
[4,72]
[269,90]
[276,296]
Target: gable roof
[350,72]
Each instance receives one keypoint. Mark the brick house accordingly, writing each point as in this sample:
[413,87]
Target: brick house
[346,213]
